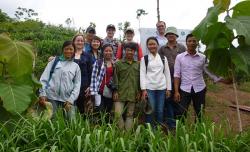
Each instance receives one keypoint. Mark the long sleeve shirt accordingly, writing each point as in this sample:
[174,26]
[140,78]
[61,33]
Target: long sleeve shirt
[64,84]
[97,76]
[189,68]
[154,78]
[127,80]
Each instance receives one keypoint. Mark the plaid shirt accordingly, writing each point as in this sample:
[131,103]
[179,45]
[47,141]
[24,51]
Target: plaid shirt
[97,77]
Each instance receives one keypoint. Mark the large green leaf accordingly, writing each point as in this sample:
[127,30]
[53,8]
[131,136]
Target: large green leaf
[242,26]
[224,4]
[241,9]
[211,17]
[19,56]
[215,31]
[16,98]
[220,42]
[219,61]
[240,60]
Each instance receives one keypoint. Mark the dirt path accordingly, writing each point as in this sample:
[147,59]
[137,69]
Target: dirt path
[219,98]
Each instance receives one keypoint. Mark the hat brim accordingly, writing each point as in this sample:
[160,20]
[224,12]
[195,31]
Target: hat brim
[111,27]
[171,33]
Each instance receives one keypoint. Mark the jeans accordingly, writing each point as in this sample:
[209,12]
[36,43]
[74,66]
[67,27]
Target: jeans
[120,108]
[156,99]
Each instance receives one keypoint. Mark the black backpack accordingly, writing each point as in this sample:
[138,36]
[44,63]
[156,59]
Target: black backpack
[162,59]
[53,69]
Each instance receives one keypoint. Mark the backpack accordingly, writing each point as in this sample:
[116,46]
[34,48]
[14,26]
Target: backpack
[53,68]
[162,59]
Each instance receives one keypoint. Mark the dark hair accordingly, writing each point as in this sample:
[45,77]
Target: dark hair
[67,43]
[131,45]
[107,45]
[189,35]
[98,39]
[152,38]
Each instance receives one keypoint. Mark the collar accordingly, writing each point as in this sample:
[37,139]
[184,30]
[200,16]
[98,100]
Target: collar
[196,54]
[62,58]
[128,62]
[167,45]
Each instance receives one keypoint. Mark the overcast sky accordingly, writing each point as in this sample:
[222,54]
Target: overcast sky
[184,14]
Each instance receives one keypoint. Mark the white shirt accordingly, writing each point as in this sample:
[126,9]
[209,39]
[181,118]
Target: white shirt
[162,40]
[154,78]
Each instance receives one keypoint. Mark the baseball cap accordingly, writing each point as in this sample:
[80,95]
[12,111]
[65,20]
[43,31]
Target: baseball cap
[110,26]
[129,30]
[171,30]
[90,30]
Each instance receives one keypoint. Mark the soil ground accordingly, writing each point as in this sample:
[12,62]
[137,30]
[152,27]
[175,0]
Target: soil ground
[218,99]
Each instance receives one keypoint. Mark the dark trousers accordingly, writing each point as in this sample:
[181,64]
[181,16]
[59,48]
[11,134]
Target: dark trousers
[106,104]
[106,107]
[198,99]
[84,104]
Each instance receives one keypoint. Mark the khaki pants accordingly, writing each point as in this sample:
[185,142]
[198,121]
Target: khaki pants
[121,107]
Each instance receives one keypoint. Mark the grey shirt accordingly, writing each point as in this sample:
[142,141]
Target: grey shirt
[171,55]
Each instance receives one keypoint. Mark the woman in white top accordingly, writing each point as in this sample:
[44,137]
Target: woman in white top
[155,80]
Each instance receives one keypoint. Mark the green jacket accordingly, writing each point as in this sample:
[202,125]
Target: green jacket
[127,80]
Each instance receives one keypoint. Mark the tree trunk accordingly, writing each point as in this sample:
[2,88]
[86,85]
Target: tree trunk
[158,11]
[237,102]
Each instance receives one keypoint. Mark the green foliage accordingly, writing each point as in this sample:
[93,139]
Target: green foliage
[4,17]
[16,98]
[81,135]
[218,37]
[16,81]
[241,25]
[16,55]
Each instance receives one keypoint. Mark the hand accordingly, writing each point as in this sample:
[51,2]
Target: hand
[42,101]
[177,97]
[138,96]
[226,81]
[67,106]
[144,95]
[51,58]
[115,96]
[168,93]
[87,92]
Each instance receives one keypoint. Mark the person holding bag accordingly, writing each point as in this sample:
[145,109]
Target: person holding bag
[155,80]
[61,82]
[100,80]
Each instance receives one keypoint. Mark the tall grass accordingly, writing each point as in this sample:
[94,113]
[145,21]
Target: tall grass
[82,135]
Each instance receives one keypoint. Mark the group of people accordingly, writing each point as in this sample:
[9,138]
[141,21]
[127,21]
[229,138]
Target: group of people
[115,76]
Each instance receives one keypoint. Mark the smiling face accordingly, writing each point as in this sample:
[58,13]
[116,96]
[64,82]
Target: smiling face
[161,27]
[171,37]
[107,53]
[79,42]
[95,44]
[68,51]
[129,36]
[152,46]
